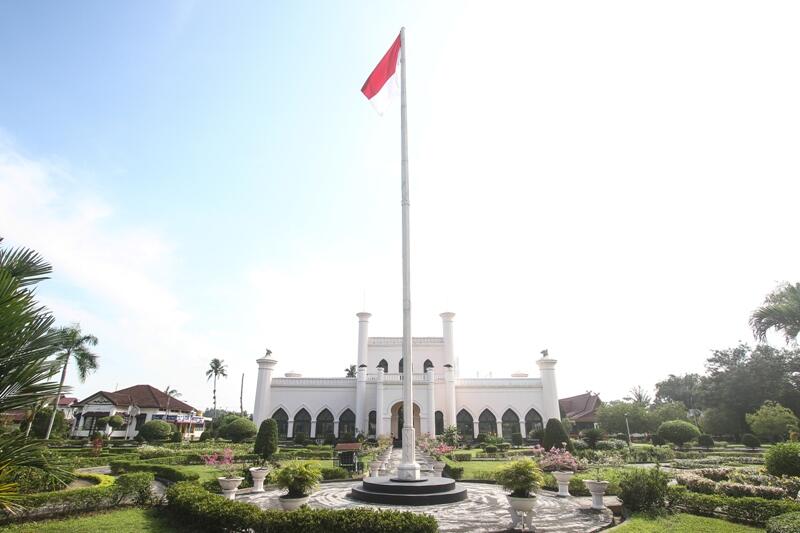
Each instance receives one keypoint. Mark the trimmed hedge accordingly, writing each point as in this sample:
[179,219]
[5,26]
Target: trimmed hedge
[335,473]
[163,471]
[100,496]
[201,509]
[747,509]
[462,456]
[785,523]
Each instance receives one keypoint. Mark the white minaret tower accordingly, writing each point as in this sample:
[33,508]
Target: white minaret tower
[449,370]
[261,410]
[547,372]
[361,372]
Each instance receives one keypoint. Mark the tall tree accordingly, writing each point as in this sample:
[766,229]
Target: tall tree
[73,346]
[171,393]
[686,388]
[639,395]
[216,369]
[27,344]
[350,372]
[780,311]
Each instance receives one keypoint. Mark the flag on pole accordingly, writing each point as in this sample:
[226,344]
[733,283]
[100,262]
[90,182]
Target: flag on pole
[383,83]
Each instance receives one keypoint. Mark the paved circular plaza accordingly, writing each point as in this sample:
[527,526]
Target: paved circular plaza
[484,510]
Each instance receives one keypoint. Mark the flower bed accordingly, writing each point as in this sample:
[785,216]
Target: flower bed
[746,509]
[730,482]
[201,509]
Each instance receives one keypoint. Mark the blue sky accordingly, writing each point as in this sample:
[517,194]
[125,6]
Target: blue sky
[209,181]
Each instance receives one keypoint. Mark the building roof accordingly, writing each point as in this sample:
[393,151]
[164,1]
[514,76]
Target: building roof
[581,408]
[66,401]
[348,446]
[142,396]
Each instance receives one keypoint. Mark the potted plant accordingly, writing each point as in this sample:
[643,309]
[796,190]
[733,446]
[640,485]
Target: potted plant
[563,466]
[522,477]
[597,486]
[299,480]
[230,481]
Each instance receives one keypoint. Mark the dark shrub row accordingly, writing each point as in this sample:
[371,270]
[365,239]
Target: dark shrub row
[201,509]
[163,471]
[747,509]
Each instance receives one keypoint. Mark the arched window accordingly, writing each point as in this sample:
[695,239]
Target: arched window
[372,423]
[510,424]
[324,424]
[401,365]
[302,423]
[426,365]
[465,425]
[347,423]
[487,423]
[439,422]
[282,419]
[533,421]
[384,365]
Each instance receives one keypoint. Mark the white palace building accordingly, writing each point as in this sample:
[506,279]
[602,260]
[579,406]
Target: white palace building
[371,403]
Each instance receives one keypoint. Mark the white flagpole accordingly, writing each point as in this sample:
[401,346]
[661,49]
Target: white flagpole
[408,469]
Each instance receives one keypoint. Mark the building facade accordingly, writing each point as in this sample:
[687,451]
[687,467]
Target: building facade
[136,405]
[372,401]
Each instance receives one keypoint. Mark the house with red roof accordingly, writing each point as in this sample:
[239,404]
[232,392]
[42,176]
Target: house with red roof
[581,409]
[136,405]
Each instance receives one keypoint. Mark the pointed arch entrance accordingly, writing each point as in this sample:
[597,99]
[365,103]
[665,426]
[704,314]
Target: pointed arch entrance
[397,420]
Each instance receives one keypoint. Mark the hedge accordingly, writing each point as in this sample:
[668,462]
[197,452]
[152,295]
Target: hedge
[747,509]
[163,471]
[787,523]
[41,504]
[335,473]
[210,512]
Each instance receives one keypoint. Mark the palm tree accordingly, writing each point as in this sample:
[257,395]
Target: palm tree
[639,395]
[350,372]
[74,345]
[216,369]
[171,393]
[781,311]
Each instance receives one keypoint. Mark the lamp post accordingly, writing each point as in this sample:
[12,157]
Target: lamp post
[628,427]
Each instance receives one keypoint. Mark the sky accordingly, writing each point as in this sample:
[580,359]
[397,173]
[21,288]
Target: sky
[615,182]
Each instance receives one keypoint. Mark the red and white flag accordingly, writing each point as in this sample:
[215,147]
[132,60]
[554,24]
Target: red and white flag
[384,82]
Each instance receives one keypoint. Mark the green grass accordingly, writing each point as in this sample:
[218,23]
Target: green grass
[130,520]
[682,523]
[205,472]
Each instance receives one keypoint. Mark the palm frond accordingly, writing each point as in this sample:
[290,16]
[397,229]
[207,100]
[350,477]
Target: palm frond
[780,311]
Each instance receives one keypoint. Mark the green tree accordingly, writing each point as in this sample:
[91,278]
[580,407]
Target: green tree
[155,431]
[216,369]
[780,311]
[350,372]
[556,436]
[686,389]
[238,430]
[772,421]
[73,346]
[41,422]
[267,439]
[719,421]
[611,417]
[668,411]
[27,343]
[639,395]
[678,432]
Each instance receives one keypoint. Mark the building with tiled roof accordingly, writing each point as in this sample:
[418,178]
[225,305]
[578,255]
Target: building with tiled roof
[581,409]
[136,405]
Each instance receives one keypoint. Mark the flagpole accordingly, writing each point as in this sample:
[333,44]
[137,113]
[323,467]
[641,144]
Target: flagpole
[408,469]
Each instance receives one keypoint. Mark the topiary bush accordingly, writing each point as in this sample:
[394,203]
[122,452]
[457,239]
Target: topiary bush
[155,430]
[785,523]
[678,432]
[556,436]
[481,438]
[335,473]
[644,490]
[238,430]
[751,441]
[267,439]
[783,459]
[705,441]
[135,487]
[490,448]
[516,439]
[453,472]
[657,441]
[300,438]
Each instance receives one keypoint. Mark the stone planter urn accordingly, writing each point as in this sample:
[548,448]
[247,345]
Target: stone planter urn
[229,486]
[375,468]
[259,474]
[597,489]
[438,468]
[290,504]
[563,482]
[521,511]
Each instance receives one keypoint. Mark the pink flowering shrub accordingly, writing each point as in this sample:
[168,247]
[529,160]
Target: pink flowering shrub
[224,462]
[559,460]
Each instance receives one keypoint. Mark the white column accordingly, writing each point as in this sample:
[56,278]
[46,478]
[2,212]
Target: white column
[499,427]
[475,428]
[312,431]
[450,396]
[261,410]
[547,372]
[290,429]
[336,427]
[522,428]
[429,380]
[361,376]
[379,427]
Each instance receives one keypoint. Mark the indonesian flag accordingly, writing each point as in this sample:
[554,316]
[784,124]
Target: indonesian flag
[384,83]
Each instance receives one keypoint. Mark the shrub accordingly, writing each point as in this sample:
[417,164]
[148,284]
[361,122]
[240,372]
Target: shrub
[783,459]
[149,452]
[747,509]
[199,508]
[205,435]
[643,489]
[489,448]
[30,480]
[785,523]
[135,486]
[559,460]
[772,421]
[678,432]
[98,496]
[706,441]
[556,436]
[162,471]
[591,436]
[462,456]
[176,436]
[298,479]
[155,430]
[267,439]
[453,472]
[730,488]
[329,439]
[335,473]
[715,474]
[657,441]
[611,444]
[516,439]
[751,441]
[696,483]
[300,438]
[481,438]
[521,477]
[238,430]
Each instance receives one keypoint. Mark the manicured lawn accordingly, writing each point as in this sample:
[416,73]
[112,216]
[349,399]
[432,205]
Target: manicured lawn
[122,521]
[477,469]
[205,472]
[682,523]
